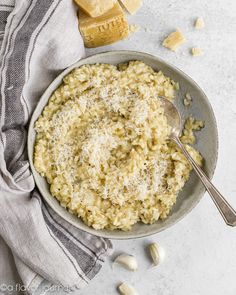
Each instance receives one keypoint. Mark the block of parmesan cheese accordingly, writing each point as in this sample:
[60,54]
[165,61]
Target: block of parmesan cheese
[105,29]
[174,40]
[95,8]
[131,5]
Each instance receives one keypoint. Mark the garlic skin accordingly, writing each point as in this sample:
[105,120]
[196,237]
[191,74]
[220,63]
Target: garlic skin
[126,289]
[157,253]
[127,261]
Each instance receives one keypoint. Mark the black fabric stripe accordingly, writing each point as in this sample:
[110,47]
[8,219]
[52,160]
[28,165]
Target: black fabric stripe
[19,162]
[23,172]
[3,19]
[15,74]
[56,240]
[95,269]
[1,110]
[36,37]
[33,47]
[69,233]
[1,137]
[12,33]
[1,41]
[6,5]
[16,138]
[3,65]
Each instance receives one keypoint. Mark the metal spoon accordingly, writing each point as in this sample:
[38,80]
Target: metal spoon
[174,120]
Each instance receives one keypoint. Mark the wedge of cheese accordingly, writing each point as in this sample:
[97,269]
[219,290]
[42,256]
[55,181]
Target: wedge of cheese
[131,5]
[105,29]
[174,40]
[95,8]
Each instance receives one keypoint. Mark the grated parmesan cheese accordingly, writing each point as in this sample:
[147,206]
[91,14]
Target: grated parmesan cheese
[96,148]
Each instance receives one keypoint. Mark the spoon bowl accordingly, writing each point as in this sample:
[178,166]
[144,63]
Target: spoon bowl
[173,116]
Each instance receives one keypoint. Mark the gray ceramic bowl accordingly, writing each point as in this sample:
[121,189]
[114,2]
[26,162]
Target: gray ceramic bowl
[207,143]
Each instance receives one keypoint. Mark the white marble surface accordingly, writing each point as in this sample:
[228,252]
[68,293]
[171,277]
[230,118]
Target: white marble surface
[200,250]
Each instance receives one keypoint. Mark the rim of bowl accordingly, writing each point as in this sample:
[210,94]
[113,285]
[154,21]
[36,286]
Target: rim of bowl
[115,234]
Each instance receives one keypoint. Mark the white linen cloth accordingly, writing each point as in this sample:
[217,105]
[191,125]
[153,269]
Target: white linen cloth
[38,39]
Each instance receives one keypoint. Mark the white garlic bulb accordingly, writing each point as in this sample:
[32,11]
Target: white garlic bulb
[126,289]
[128,261]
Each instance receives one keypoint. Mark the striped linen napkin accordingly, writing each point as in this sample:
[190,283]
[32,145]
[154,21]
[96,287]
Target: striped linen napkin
[38,39]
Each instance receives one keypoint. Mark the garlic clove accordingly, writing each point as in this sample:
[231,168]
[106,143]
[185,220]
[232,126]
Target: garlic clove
[126,289]
[127,261]
[157,253]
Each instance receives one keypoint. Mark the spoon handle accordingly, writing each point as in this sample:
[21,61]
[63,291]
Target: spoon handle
[227,212]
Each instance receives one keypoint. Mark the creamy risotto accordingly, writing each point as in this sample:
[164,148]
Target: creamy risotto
[102,144]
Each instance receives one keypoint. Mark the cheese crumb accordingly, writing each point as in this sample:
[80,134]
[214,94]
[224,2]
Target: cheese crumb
[134,28]
[199,23]
[174,40]
[196,51]
[187,99]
